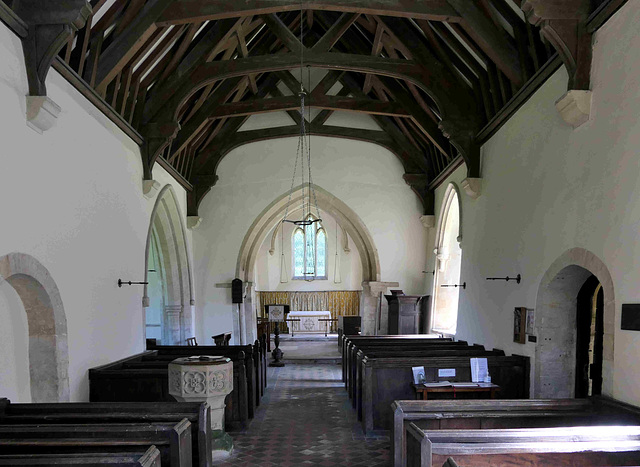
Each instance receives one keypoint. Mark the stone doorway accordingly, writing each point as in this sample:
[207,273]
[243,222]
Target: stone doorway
[556,325]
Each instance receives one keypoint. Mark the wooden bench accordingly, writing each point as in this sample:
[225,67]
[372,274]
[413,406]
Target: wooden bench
[468,352]
[198,414]
[484,414]
[541,447]
[172,440]
[222,340]
[440,350]
[135,379]
[387,379]
[354,343]
[149,458]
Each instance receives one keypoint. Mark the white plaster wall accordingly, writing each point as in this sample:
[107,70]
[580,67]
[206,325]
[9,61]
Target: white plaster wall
[366,177]
[548,188]
[268,266]
[72,198]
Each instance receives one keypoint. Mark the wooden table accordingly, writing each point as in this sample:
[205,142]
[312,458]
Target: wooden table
[422,392]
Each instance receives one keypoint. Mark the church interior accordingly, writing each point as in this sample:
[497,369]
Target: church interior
[392,193]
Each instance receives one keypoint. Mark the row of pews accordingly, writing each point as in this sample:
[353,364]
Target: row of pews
[144,377]
[113,434]
[377,370]
[514,430]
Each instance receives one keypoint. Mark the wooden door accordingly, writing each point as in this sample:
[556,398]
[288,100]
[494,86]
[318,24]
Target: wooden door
[589,324]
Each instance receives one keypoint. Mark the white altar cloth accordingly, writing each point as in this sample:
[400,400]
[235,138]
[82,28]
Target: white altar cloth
[309,321]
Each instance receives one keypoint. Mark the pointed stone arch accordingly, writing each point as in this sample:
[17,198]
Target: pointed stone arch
[47,322]
[167,231]
[555,323]
[345,216]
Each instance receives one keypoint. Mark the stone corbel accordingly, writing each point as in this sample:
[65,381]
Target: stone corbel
[472,187]
[563,25]
[49,29]
[442,257]
[193,222]
[150,188]
[428,221]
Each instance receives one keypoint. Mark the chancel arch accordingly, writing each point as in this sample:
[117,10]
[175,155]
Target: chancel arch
[448,263]
[47,326]
[168,298]
[555,323]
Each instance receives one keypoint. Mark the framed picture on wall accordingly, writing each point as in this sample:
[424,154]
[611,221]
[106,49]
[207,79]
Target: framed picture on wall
[519,324]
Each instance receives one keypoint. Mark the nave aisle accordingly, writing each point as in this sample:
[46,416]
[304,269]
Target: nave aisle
[306,418]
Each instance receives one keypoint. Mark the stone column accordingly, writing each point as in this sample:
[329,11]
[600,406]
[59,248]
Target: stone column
[173,332]
[205,379]
[374,318]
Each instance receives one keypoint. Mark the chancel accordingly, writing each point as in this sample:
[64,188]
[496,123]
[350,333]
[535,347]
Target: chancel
[439,186]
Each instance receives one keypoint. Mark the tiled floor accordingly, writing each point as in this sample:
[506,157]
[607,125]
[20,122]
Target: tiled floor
[305,418]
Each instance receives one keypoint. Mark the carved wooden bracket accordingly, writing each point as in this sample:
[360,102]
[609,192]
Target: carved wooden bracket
[419,183]
[563,24]
[462,137]
[157,136]
[49,29]
[202,184]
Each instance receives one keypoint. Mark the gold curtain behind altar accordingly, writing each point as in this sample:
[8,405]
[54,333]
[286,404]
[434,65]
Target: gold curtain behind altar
[338,302]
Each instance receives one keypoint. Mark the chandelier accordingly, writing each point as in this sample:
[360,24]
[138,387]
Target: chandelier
[303,161]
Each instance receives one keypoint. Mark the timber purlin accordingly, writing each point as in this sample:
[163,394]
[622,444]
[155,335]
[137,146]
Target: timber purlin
[487,414]
[198,414]
[172,440]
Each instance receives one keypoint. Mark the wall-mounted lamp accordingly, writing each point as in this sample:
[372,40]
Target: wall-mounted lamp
[463,285]
[121,283]
[518,279]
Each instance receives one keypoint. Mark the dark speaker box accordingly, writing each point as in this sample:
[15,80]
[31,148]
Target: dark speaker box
[236,291]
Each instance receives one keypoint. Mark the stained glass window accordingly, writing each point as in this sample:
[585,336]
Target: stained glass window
[310,252]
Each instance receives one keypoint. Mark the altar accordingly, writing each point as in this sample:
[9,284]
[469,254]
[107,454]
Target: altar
[309,321]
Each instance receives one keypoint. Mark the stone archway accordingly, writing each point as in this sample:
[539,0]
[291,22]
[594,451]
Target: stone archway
[556,323]
[47,322]
[168,235]
[349,221]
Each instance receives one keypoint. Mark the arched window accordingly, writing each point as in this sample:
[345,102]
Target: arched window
[448,263]
[310,251]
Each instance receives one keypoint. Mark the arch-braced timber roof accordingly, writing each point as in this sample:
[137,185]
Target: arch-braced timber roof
[434,75]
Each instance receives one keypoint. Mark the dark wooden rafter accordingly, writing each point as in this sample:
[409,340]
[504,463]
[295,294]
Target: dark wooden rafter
[186,11]
[186,74]
[564,25]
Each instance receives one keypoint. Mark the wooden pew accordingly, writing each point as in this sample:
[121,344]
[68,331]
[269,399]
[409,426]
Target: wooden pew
[438,350]
[483,414]
[173,441]
[468,352]
[541,447]
[351,348]
[198,414]
[387,379]
[147,381]
[149,458]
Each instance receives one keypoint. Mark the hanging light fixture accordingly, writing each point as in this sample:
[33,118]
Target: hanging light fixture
[303,158]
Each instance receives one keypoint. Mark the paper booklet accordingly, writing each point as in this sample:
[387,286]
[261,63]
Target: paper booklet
[418,374]
[439,384]
[479,370]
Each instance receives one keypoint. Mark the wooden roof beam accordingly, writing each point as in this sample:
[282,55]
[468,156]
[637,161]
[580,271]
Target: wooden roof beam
[187,11]
[126,44]
[494,42]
